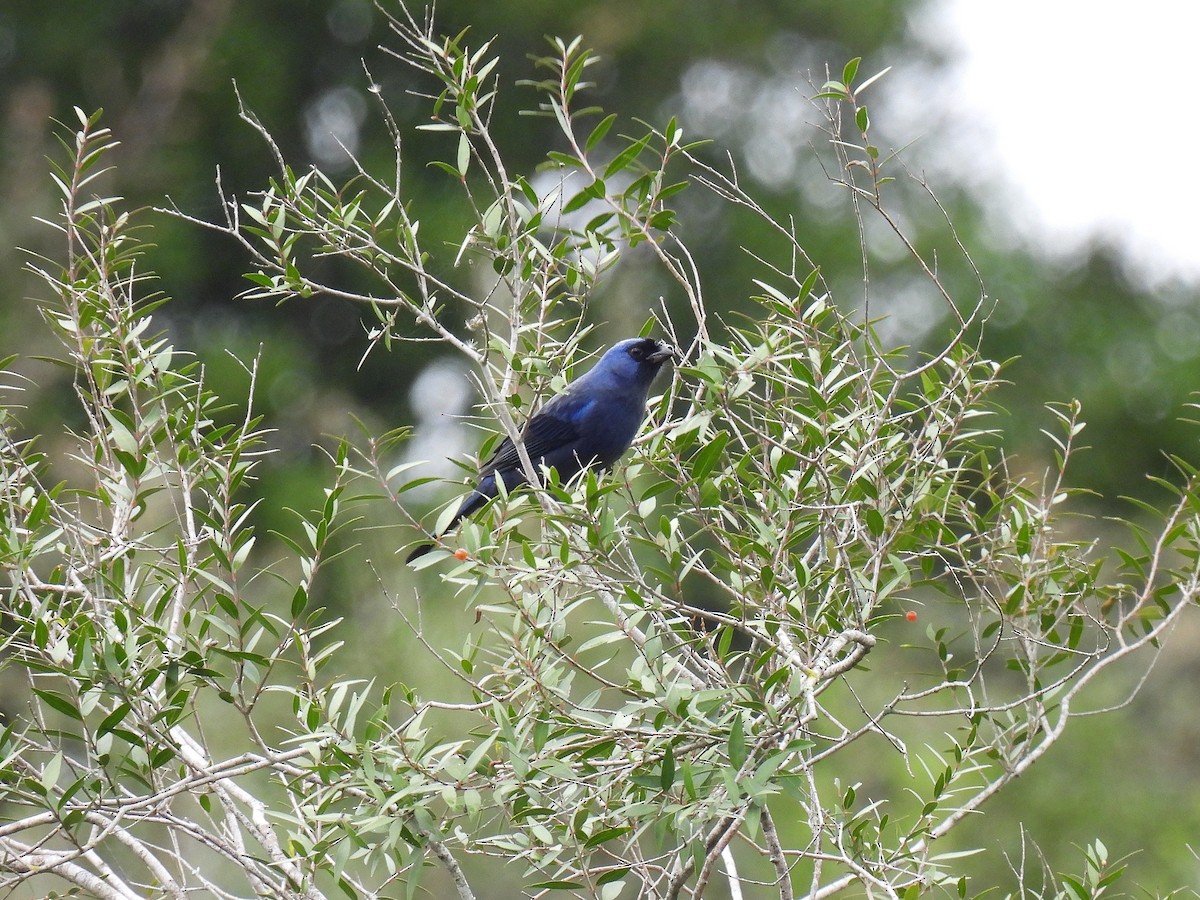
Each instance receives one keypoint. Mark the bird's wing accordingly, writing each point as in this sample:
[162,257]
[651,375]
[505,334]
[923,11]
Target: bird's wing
[551,429]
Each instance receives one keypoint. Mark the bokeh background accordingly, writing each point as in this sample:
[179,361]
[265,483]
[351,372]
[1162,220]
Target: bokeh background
[1056,139]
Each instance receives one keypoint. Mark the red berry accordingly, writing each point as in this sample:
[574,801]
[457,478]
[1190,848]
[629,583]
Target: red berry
[911,615]
[461,554]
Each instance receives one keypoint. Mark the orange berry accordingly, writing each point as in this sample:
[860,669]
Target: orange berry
[911,615]
[461,554]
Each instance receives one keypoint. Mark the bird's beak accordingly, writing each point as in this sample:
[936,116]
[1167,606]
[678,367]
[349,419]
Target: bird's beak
[664,352]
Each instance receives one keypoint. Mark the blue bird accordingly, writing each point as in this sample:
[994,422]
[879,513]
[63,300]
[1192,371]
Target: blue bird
[588,426]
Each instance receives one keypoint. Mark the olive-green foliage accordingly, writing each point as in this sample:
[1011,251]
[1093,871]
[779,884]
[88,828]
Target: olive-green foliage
[701,663]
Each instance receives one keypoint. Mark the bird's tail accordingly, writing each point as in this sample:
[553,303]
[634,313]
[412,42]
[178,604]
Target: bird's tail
[472,503]
[419,551]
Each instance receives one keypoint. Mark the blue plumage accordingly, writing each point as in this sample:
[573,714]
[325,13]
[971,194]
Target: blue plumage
[588,425]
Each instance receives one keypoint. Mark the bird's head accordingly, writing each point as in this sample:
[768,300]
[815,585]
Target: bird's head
[637,359]
[648,350]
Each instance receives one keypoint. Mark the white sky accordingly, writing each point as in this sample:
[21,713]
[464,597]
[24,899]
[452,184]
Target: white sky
[1089,110]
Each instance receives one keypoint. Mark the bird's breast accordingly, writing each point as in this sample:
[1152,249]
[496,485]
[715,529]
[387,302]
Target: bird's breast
[608,429]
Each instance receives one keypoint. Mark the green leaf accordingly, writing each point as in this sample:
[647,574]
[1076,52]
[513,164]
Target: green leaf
[1074,887]
[592,192]
[600,131]
[113,719]
[850,70]
[613,875]
[737,742]
[608,834]
[809,284]
[445,167]
[50,773]
[862,119]
[626,157]
[705,460]
[299,601]
[724,642]
[38,512]
[689,781]
[59,703]
[464,154]
[565,159]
